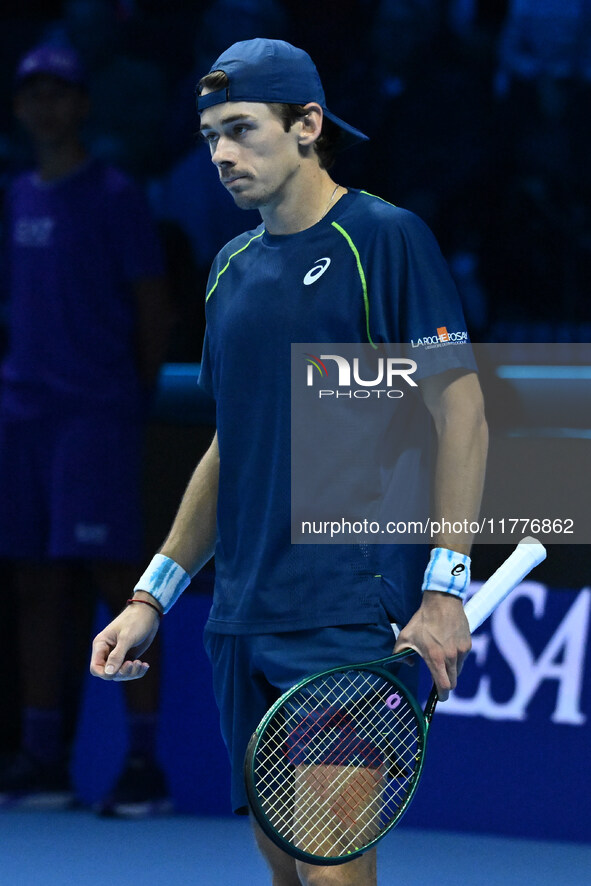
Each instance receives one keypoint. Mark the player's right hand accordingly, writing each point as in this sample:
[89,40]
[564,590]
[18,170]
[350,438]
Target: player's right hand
[439,632]
[116,650]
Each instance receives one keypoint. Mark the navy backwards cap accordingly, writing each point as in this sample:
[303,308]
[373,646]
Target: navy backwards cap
[57,61]
[262,70]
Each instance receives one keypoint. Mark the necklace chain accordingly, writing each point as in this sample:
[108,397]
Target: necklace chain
[328,205]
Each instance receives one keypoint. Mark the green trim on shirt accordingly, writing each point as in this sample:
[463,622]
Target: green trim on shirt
[227,265]
[361,273]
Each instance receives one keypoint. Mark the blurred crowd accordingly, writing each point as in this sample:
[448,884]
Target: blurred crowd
[478,112]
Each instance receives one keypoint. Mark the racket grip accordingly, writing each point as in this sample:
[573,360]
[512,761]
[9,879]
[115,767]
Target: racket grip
[528,553]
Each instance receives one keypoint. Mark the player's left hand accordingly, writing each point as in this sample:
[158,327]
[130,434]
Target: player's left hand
[439,632]
[116,650]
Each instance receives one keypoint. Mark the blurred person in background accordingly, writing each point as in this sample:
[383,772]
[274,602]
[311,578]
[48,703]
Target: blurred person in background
[128,93]
[88,326]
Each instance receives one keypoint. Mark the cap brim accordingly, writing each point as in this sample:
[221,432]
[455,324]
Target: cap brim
[349,135]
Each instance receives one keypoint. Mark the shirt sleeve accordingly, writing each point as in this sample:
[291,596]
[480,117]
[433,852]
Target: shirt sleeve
[431,318]
[205,381]
[206,373]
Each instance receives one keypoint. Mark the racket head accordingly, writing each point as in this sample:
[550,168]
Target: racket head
[335,762]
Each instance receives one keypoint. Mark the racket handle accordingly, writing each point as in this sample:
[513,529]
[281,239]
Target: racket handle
[528,553]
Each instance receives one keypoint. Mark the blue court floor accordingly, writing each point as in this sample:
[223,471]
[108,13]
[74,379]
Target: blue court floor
[77,849]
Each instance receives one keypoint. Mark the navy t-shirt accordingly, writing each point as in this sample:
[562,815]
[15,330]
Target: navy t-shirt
[75,247]
[385,281]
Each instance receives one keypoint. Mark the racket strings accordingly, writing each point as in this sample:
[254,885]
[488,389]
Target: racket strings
[336,763]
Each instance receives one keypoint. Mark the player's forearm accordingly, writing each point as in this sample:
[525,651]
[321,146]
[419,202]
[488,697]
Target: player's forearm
[459,473]
[191,540]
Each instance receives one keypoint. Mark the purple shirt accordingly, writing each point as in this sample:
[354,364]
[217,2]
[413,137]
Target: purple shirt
[75,248]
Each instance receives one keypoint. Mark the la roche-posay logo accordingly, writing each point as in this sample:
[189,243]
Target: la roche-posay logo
[441,339]
[333,375]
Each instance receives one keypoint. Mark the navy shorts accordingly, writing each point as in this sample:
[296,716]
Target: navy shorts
[250,672]
[70,487]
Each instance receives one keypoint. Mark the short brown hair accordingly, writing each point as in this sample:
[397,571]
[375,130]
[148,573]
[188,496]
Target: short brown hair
[326,143]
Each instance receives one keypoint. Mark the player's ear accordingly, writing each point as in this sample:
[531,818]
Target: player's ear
[311,124]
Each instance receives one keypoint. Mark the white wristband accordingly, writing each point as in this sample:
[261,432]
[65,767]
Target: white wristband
[165,580]
[447,571]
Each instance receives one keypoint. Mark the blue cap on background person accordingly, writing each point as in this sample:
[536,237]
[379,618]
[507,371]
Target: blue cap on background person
[262,70]
[54,61]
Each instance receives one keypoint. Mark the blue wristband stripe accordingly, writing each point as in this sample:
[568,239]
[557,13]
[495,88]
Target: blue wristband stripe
[450,588]
[165,580]
[447,572]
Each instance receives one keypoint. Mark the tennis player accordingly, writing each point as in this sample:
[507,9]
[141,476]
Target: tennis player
[328,263]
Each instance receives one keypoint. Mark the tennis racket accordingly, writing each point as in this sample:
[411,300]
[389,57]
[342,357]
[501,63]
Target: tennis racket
[334,764]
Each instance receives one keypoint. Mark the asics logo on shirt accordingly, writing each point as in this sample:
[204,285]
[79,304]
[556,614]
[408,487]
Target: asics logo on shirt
[320,266]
